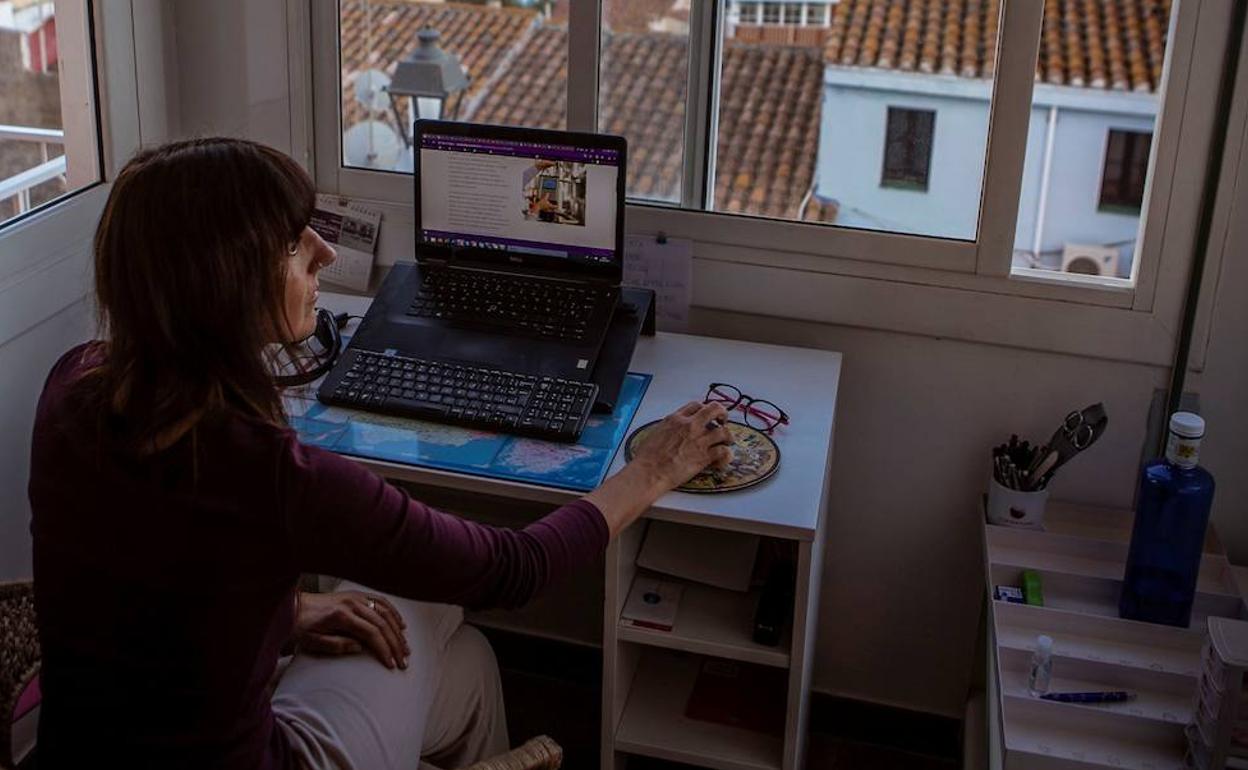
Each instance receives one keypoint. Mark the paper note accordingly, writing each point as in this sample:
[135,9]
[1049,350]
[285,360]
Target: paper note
[352,231]
[667,268]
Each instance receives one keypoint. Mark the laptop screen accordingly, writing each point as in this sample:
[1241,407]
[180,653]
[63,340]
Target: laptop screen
[537,201]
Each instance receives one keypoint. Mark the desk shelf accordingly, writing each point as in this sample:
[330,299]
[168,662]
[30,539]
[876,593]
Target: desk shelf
[648,675]
[1081,559]
[714,621]
[653,723]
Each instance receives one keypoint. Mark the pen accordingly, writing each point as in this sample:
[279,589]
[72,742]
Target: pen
[1111,696]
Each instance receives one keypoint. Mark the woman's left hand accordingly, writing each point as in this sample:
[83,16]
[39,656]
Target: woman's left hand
[347,622]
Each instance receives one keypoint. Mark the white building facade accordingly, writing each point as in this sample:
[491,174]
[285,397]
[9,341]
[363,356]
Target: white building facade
[1087,156]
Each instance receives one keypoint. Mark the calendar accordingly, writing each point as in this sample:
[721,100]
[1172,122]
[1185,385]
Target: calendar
[351,229]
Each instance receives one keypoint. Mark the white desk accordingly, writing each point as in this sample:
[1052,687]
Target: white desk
[647,674]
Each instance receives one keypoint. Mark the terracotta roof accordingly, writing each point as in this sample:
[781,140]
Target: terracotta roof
[1113,44]
[480,36]
[770,98]
[626,15]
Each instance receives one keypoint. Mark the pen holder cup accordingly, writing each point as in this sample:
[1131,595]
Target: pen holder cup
[1015,508]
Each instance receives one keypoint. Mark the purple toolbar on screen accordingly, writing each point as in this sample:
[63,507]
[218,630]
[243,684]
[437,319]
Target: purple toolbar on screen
[597,155]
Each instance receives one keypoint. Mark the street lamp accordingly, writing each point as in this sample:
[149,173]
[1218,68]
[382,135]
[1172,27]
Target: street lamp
[425,81]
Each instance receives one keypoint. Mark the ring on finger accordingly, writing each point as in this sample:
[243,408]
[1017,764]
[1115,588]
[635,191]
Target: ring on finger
[372,605]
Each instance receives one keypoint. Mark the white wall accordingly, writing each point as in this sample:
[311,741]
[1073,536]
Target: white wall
[902,584]
[232,73]
[851,153]
[1072,213]
[851,160]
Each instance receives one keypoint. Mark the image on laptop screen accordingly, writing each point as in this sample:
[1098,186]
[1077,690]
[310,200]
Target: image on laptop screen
[540,199]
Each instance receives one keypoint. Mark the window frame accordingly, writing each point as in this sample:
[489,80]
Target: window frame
[961,274]
[45,255]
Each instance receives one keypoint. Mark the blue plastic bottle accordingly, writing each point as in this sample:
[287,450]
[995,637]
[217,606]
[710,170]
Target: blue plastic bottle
[1172,511]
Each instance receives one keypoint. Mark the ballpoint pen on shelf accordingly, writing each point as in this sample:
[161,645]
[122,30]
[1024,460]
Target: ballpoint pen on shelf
[1110,696]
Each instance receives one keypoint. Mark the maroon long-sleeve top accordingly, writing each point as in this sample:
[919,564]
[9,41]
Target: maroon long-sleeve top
[163,585]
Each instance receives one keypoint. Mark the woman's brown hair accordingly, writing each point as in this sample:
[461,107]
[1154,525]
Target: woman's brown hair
[189,280]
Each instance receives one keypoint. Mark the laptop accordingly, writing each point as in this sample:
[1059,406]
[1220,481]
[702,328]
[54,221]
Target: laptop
[519,256]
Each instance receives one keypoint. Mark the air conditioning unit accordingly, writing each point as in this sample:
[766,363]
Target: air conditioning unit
[1089,260]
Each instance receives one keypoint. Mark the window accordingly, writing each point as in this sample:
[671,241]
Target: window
[1094,105]
[497,50]
[908,148]
[642,95]
[1126,165]
[793,13]
[739,124]
[49,145]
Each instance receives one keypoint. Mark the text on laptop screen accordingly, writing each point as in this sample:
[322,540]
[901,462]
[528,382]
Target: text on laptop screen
[544,199]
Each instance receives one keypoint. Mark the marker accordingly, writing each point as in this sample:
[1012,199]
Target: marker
[1111,696]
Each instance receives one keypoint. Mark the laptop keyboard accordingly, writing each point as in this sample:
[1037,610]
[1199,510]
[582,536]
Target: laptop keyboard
[511,304]
[524,404]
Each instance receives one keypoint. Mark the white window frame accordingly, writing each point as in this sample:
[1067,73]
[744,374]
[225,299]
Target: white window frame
[45,256]
[907,283]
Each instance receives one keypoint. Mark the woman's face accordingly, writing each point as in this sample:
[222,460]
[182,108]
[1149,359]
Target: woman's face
[310,254]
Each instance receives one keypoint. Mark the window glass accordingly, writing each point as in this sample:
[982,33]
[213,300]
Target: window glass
[804,116]
[771,13]
[1094,109]
[1126,165]
[511,63]
[908,148]
[49,144]
[642,88]
[792,13]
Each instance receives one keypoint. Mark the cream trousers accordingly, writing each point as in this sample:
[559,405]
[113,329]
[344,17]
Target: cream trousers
[445,710]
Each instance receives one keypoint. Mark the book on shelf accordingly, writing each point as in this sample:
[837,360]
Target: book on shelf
[652,603]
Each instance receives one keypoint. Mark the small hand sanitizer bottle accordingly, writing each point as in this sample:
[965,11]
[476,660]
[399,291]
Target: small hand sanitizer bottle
[1041,667]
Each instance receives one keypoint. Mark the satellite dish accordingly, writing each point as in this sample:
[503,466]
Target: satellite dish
[371,144]
[372,90]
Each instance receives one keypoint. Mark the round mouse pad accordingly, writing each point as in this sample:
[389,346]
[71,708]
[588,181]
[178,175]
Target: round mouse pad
[755,457]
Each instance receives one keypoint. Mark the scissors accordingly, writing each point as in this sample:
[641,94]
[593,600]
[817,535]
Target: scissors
[1077,432]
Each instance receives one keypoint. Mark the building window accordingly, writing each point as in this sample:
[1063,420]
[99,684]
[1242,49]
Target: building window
[817,14]
[749,13]
[771,13]
[908,148]
[1126,168]
[793,14]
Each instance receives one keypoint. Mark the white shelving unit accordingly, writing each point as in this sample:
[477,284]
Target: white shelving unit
[648,675]
[1081,558]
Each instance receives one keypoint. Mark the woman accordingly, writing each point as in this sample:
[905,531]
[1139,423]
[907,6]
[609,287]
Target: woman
[165,573]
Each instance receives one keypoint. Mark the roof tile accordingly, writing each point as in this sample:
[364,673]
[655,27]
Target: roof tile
[1118,44]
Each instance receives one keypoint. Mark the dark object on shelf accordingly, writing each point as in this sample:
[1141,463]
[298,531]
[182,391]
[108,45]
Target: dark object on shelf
[744,695]
[775,604]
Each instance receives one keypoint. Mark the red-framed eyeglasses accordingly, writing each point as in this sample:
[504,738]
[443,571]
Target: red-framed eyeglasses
[761,415]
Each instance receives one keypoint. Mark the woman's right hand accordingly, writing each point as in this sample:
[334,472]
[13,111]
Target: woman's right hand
[686,442]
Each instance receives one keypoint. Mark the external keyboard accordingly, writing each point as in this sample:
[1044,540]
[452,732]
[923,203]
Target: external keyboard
[526,306]
[524,404]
